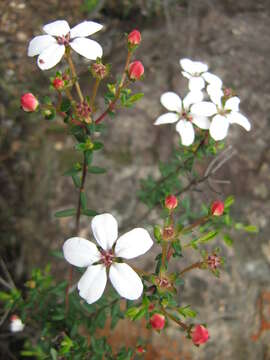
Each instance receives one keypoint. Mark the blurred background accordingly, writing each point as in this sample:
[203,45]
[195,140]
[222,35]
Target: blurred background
[233,38]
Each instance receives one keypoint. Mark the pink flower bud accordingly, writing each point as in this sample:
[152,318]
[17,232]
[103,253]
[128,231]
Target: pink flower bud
[29,102]
[171,202]
[58,83]
[200,335]
[135,70]
[217,208]
[140,350]
[134,38]
[157,321]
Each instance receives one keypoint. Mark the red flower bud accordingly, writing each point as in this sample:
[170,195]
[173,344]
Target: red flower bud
[140,350]
[134,38]
[29,102]
[200,335]
[58,83]
[157,321]
[217,208]
[171,202]
[135,70]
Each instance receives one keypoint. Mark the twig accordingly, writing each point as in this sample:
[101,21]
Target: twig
[8,276]
[173,318]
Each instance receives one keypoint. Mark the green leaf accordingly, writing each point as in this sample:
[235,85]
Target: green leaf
[209,236]
[89,212]
[96,170]
[53,353]
[228,240]
[58,254]
[247,228]
[186,311]
[89,156]
[80,147]
[65,213]
[97,145]
[65,105]
[76,180]
[228,202]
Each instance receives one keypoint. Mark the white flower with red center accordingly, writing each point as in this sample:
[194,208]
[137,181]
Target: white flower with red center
[179,111]
[197,74]
[16,324]
[106,258]
[50,48]
[224,113]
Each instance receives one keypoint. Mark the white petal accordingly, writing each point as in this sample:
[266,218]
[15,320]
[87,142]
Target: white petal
[134,243]
[237,118]
[40,43]
[191,98]
[126,281]
[201,121]
[50,56]
[212,79]
[168,118]
[204,108]
[86,28]
[57,28]
[193,67]
[87,48]
[186,75]
[171,101]
[232,104]
[105,230]
[92,284]
[80,252]
[219,127]
[215,94]
[186,131]
[196,83]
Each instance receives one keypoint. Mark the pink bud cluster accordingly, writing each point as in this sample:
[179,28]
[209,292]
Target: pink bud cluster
[200,335]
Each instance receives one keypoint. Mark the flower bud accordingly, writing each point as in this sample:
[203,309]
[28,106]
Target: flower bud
[99,70]
[171,202]
[58,83]
[134,38]
[213,261]
[140,350]
[135,70]
[199,335]
[29,102]
[157,321]
[16,324]
[217,208]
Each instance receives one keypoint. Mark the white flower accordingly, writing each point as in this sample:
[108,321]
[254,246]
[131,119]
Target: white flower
[16,324]
[197,73]
[224,113]
[98,259]
[180,109]
[51,47]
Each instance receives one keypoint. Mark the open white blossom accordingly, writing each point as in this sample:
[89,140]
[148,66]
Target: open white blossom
[179,111]
[224,113]
[16,324]
[50,48]
[198,75]
[107,257]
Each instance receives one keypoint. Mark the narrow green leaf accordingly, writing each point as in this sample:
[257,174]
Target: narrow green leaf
[96,170]
[65,213]
[228,202]
[76,180]
[89,212]
[97,145]
[228,240]
[83,200]
[53,353]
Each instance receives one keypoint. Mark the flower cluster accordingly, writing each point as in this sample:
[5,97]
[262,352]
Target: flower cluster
[216,114]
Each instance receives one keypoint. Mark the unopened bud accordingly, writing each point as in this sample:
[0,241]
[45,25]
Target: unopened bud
[135,70]
[58,83]
[29,102]
[200,335]
[140,350]
[213,261]
[16,324]
[171,202]
[157,321]
[134,37]
[99,70]
[217,208]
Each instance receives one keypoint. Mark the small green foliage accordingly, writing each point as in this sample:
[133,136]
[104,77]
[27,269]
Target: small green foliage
[65,213]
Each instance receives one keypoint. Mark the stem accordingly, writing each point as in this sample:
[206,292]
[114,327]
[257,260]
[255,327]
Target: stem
[78,212]
[173,318]
[195,224]
[118,92]
[74,75]
[164,255]
[94,93]
[193,266]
